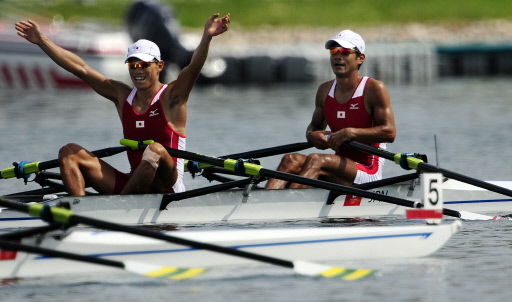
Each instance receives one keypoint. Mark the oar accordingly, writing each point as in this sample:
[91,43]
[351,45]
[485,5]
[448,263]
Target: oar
[244,168]
[41,166]
[418,164]
[145,269]
[301,267]
[265,152]
[31,231]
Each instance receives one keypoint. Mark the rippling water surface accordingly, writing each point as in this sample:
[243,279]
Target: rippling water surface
[470,120]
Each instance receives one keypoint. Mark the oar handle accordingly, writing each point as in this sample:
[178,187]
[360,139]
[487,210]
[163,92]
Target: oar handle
[134,145]
[29,168]
[35,167]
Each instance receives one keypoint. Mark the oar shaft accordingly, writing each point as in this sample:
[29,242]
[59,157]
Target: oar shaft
[66,216]
[177,240]
[8,245]
[270,151]
[263,152]
[463,178]
[30,232]
[422,166]
[372,150]
[291,177]
[256,170]
[336,187]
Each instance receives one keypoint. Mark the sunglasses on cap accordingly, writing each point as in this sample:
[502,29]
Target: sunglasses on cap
[343,51]
[140,64]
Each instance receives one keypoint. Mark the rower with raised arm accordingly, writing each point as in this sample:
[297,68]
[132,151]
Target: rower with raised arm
[149,111]
[355,107]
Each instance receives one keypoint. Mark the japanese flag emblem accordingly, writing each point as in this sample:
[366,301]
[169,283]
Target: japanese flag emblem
[139,124]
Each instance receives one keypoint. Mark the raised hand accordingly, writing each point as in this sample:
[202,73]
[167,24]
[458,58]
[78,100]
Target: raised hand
[29,30]
[216,26]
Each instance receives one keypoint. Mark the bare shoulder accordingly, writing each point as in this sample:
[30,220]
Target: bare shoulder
[323,89]
[375,85]
[376,90]
[325,86]
[112,90]
[121,89]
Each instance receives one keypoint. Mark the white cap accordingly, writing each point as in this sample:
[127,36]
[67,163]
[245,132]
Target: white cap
[144,50]
[347,39]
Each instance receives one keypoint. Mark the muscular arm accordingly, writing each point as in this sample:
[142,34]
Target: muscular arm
[180,90]
[69,61]
[378,104]
[315,133]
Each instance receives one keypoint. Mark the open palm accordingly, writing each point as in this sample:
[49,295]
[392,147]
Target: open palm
[216,26]
[29,30]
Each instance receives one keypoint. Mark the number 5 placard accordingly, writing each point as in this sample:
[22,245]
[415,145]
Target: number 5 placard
[432,193]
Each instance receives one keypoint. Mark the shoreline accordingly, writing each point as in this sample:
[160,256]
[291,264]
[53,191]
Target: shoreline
[491,32]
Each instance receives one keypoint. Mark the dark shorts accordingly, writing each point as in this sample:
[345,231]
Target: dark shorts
[122,179]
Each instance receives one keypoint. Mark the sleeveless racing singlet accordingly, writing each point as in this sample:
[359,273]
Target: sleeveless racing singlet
[350,114]
[141,126]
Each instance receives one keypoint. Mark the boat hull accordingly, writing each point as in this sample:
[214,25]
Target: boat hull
[263,205]
[323,244]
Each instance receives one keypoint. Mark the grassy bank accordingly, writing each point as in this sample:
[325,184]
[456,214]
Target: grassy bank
[254,13]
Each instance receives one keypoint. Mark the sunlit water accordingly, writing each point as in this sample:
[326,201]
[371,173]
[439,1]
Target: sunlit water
[470,119]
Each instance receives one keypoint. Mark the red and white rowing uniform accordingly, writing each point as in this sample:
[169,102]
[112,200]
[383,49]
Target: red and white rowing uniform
[353,114]
[150,125]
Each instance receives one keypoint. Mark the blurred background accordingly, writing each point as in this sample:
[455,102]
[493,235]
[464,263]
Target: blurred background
[268,41]
[447,66]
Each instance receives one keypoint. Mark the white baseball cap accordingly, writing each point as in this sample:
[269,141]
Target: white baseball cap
[144,50]
[347,39]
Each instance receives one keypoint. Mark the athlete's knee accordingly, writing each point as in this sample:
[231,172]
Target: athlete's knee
[313,159]
[292,159]
[152,154]
[291,162]
[69,150]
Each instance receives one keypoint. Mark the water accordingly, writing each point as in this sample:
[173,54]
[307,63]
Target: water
[470,118]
